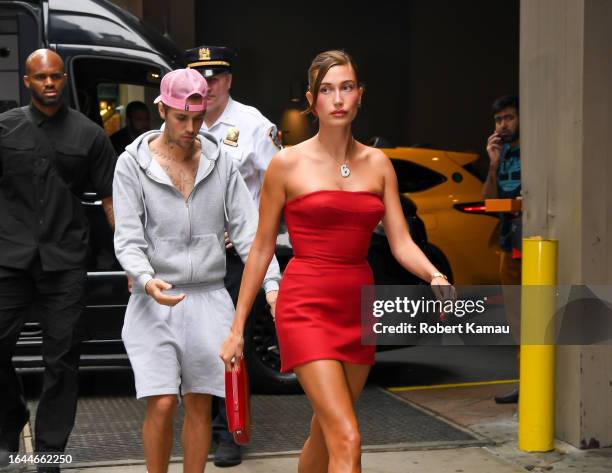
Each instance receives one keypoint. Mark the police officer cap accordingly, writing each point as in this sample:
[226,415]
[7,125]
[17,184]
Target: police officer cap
[210,60]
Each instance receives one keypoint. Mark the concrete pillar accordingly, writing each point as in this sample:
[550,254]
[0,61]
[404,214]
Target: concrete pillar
[566,153]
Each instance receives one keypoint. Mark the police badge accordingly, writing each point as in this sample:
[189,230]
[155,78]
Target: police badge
[204,54]
[231,138]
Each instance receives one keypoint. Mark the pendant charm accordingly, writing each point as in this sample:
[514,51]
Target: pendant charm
[345,171]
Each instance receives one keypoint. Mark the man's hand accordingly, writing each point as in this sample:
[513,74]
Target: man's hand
[228,243]
[129,281]
[271,300]
[155,288]
[494,148]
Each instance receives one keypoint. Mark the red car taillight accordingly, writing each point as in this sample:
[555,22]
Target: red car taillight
[471,207]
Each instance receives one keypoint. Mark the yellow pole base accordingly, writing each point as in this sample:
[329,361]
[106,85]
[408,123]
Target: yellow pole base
[537,371]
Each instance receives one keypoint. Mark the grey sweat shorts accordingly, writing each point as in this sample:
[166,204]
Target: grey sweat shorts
[176,349]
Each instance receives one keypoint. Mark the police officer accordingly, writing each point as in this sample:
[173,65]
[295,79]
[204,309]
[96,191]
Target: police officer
[48,153]
[251,140]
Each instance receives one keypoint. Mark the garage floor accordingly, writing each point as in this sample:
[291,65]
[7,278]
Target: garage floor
[108,428]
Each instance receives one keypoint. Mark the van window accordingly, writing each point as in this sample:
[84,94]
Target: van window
[113,100]
[103,87]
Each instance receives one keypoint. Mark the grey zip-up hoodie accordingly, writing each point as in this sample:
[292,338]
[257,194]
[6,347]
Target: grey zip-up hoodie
[160,234]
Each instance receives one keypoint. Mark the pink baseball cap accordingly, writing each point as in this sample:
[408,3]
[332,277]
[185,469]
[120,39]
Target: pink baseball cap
[177,86]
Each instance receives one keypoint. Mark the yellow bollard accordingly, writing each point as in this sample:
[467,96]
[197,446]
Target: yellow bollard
[537,363]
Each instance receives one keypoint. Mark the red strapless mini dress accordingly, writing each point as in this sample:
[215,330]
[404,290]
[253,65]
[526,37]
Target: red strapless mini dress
[318,311]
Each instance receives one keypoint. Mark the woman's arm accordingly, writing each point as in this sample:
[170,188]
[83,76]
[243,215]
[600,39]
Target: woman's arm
[271,205]
[404,249]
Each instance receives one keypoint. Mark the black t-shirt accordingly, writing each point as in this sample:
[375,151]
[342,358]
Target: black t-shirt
[41,185]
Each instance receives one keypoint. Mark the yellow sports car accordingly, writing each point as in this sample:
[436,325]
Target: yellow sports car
[449,201]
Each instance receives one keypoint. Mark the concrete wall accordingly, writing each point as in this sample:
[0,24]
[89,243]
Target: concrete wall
[566,72]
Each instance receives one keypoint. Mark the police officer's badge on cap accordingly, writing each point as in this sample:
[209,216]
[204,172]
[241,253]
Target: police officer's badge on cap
[210,60]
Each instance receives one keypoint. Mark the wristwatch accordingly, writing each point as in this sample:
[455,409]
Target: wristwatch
[438,274]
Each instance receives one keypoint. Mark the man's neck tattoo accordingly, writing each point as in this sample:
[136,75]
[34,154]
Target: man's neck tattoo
[171,145]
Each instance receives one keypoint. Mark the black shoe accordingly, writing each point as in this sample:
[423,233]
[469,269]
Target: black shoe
[228,454]
[508,398]
[9,439]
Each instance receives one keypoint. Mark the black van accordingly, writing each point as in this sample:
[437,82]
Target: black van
[113,58]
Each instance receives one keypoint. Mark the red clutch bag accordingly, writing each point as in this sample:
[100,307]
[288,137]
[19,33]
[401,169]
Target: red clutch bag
[237,402]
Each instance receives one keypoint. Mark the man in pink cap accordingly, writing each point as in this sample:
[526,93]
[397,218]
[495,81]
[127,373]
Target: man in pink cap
[177,193]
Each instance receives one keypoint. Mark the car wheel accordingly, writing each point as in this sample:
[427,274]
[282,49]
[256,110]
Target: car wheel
[438,259]
[263,355]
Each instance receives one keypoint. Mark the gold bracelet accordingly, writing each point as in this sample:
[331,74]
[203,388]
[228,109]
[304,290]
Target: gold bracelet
[437,274]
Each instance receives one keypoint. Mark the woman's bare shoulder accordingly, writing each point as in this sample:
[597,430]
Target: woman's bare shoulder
[289,156]
[374,156]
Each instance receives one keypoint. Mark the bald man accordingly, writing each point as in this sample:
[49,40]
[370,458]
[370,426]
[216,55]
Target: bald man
[48,154]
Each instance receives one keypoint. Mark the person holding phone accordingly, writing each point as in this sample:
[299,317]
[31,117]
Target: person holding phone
[504,182]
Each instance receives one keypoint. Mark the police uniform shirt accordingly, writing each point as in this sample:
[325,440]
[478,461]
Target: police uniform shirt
[249,138]
[45,164]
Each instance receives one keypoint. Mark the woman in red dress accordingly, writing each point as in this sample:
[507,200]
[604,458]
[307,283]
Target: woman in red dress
[332,191]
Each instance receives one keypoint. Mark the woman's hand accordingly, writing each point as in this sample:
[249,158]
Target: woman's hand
[271,300]
[232,349]
[155,288]
[444,291]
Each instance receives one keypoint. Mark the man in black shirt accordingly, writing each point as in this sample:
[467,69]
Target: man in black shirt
[48,153]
